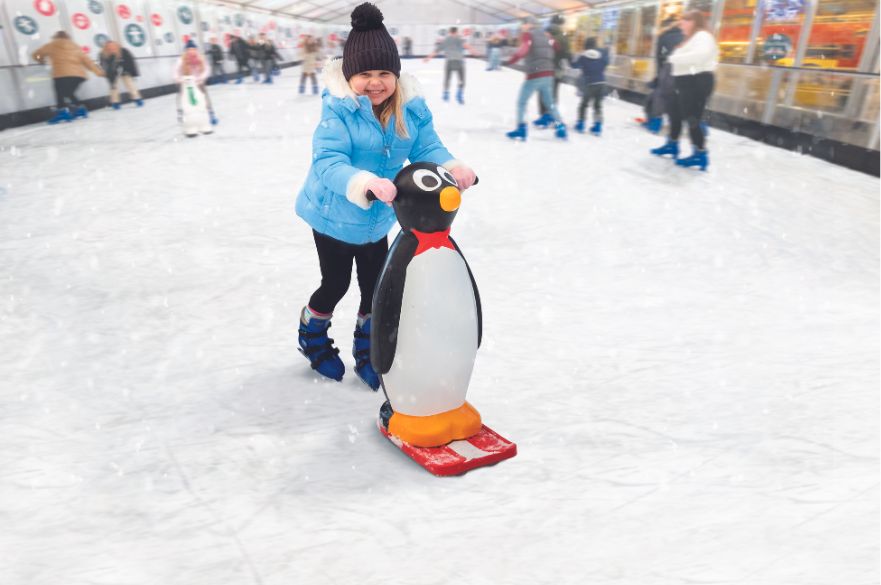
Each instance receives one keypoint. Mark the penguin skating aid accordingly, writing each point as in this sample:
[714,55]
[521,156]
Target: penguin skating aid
[426,329]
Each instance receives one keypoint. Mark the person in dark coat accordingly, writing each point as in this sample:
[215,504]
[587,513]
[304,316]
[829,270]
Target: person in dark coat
[240,51]
[562,54]
[592,63]
[662,86]
[118,64]
[215,55]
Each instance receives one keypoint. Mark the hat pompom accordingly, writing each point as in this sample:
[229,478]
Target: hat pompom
[366,17]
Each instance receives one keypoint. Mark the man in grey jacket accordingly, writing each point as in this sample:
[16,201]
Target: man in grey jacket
[537,51]
[453,47]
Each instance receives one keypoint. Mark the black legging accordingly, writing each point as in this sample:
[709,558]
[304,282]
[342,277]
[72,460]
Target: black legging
[335,258]
[692,94]
[65,91]
[595,92]
[450,66]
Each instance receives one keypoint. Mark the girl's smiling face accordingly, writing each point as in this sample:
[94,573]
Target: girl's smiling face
[378,86]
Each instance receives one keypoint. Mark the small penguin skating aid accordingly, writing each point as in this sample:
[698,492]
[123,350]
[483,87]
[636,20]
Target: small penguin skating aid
[195,118]
[426,328]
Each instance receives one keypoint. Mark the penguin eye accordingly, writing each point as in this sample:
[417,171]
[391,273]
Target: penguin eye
[426,180]
[446,175]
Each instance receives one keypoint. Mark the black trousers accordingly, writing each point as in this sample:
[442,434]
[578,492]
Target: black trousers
[542,108]
[65,91]
[458,66]
[335,258]
[692,94]
[217,71]
[595,92]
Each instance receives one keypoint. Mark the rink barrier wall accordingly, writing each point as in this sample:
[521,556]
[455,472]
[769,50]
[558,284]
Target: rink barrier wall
[42,114]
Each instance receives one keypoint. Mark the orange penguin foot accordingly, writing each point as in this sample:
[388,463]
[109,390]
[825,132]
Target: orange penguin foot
[437,429]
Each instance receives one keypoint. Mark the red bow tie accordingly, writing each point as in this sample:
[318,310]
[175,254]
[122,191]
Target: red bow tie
[427,241]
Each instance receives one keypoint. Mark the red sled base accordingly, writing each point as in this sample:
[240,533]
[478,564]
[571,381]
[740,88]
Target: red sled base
[455,458]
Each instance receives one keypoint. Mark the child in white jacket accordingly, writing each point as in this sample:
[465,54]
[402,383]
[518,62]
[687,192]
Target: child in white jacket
[693,63]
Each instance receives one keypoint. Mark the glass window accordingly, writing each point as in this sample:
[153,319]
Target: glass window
[625,28]
[839,33]
[587,25]
[735,30]
[778,36]
[647,18]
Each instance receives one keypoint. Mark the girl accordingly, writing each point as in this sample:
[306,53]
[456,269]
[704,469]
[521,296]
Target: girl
[693,63]
[372,120]
[119,64]
[311,53]
[193,64]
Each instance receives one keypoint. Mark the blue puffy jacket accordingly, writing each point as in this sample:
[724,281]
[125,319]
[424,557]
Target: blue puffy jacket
[592,63]
[350,147]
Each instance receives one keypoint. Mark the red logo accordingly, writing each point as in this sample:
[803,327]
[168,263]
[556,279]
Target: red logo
[86,49]
[45,7]
[123,11]
[80,20]
[156,19]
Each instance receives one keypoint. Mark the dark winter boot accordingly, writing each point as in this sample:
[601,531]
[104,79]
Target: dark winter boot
[671,147]
[81,112]
[318,347]
[579,126]
[560,131]
[62,115]
[518,134]
[460,96]
[597,128]
[361,352]
[543,121]
[697,159]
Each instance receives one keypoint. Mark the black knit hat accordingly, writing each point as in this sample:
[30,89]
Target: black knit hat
[369,46]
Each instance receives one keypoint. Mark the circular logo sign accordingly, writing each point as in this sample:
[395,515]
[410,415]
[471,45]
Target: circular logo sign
[101,40]
[169,37]
[156,19]
[777,46]
[123,11]
[45,7]
[134,34]
[239,19]
[26,25]
[96,7]
[185,14]
[80,20]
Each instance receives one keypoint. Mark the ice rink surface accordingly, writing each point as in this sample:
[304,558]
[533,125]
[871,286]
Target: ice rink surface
[689,362]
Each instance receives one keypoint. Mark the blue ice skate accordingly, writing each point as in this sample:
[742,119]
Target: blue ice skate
[361,353]
[518,134]
[654,125]
[446,96]
[697,159]
[62,115]
[560,131]
[81,112]
[597,128]
[139,103]
[460,96]
[579,126]
[318,348]
[543,121]
[671,147]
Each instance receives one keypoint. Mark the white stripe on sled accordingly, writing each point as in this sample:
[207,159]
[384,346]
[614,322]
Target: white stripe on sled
[467,450]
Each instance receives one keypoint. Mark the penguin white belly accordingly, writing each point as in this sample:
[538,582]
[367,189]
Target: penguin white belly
[437,336]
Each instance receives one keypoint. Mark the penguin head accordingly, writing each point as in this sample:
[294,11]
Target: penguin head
[428,197]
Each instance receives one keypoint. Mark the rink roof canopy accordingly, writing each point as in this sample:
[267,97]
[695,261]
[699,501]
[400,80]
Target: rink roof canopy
[428,11]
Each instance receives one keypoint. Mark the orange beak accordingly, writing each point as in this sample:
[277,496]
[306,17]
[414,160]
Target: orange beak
[450,199]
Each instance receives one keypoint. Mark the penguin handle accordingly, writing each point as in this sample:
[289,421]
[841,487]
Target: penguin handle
[372,197]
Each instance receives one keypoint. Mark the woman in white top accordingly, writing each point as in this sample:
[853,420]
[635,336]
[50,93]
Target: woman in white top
[693,63]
